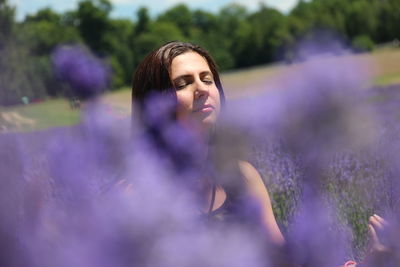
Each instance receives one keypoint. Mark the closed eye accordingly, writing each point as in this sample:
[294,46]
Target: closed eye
[182,83]
[180,86]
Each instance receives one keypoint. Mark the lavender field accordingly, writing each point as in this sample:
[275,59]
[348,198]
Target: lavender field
[324,136]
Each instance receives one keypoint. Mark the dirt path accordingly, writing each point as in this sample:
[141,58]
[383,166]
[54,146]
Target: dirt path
[12,120]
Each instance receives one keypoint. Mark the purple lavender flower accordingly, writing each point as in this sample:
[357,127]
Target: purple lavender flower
[314,239]
[86,74]
[102,197]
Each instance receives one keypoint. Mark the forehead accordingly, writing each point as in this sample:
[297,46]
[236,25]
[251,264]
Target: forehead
[188,63]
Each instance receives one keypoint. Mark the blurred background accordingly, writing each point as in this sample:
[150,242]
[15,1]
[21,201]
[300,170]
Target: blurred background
[250,40]
[56,54]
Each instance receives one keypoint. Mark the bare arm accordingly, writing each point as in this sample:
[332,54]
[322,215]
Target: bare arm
[258,190]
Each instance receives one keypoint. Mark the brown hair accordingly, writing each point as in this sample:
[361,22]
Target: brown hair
[153,73]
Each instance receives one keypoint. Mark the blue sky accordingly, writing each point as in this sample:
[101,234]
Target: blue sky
[127,8]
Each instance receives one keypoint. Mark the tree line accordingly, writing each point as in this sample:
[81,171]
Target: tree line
[235,36]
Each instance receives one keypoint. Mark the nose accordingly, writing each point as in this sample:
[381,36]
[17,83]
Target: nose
[201,89]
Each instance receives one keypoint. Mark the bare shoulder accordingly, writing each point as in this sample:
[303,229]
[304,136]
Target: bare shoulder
[249,172]
[255,187]
[252,179]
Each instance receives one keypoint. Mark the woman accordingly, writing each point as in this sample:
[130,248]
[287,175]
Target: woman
[187,76]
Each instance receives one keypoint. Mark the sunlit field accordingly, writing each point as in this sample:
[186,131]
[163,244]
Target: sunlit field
[322,133]
[382,66]
[291,161]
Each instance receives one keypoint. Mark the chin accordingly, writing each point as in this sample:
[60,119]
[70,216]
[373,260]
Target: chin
[209,122]
[206,121]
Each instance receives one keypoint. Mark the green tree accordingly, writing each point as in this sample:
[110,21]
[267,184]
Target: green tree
[45,14]
[143,21]
[7,14]
[389,21]
[45,30]
[158,34]
[206,31]
[204,21]
[231,16]
[181,16]
[40,33]
[268,34]
[121,52]
[362,18]
[301,18]
[107,37]
[362,43]
[234,36]
[357,21]
[93,23]
[20,74]
[228,39]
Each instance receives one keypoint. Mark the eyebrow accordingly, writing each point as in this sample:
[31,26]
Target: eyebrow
[203,73]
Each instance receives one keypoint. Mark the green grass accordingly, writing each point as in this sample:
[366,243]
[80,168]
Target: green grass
[388,79]
[38,116]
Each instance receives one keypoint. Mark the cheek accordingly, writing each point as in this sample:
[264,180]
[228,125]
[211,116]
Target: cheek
[185,102]
[217,99]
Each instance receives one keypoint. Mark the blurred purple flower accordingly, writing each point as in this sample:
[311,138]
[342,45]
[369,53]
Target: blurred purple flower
[86,74]
[314,239]
[104,197]
[319,42]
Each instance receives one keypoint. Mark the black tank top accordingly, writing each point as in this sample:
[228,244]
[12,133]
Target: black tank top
[224,213]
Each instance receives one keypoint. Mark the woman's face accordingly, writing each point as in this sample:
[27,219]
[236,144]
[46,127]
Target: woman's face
[198,96]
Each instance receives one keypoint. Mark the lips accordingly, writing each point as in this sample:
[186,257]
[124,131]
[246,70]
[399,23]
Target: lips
[204,108]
